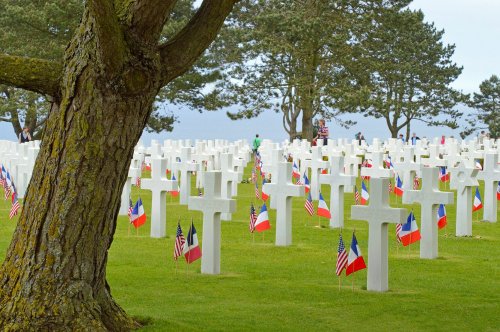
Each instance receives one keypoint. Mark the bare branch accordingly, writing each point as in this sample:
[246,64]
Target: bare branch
[179,53]
[31,74]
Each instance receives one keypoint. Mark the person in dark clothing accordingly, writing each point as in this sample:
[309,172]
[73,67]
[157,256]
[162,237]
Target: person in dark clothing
[25,135]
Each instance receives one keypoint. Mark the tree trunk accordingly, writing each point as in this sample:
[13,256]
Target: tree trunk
[307,125]
[72,202]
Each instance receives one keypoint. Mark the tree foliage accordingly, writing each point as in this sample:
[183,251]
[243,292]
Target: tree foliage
[405,70]
[487,106]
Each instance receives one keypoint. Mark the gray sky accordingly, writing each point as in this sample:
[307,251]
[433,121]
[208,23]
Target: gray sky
[472,25]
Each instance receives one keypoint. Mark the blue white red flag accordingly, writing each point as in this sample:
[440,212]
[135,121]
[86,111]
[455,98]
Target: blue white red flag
[192,249]
[398,189]
[323,210]
[355,261]
[138,216]
[264,195]
[295,171]
[262,223]
[478,204]
[306,183]
[443,175]
[365,196]
[409,231]
[442,219]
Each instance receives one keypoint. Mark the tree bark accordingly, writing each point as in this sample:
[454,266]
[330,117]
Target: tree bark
[54,274]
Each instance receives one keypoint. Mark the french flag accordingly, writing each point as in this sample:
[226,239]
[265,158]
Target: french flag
[478,205]
[409,231]
[355,261]
[306,183]
[323,210]
[498,191]
[477,164]
[295,171]
[442,220]
[192,250]
[262,223]
[398,189]
[365,196]
[264,195]
[175,193]
[138,216]
[443,175]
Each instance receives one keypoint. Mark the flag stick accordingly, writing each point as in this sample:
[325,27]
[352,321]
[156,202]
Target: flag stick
[253,237]
[176,265]
[128,235]
[137,231]
[339,281]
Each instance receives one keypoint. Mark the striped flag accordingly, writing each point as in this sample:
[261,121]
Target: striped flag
[341,257]
[356,195]
[179,242]
[130,207]
[309,205]
[253,219]
[416,183]
[257,192]
[15,206]
[398,232]
[390,186]
[138,182]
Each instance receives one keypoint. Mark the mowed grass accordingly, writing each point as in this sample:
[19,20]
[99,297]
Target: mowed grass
[267,288]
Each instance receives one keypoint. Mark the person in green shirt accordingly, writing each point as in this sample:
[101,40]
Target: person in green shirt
[256,143]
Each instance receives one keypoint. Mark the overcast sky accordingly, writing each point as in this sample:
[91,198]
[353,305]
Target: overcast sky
[472,25]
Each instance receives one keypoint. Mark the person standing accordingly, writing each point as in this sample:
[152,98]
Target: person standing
[401,138]
[323,132]
[25,136]
[414,139]
[256,143]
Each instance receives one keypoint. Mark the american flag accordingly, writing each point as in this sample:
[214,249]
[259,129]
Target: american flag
[15,206]
[257,192]
[356,195]
[130,207]
[2,181]
[398,231]
[416,182]
[253,219]
[138,182]
[179,242]
[390,186]
[309,205]
[7,190]
[298,183]
[341,257]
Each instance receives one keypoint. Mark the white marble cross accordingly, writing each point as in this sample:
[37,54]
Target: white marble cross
[158,185]
[185,166]
[429,198]
[407,168]
[125,200]
[463,178]
[337,180]
[317,164]
[490,175]
[283,190]
[351,162]
[229,176]
[377,170]
[434,160]
[211,204]
[378,213]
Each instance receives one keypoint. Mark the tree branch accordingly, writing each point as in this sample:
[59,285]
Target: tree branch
[31,74]
[112,47]
[144,18]
[179,53]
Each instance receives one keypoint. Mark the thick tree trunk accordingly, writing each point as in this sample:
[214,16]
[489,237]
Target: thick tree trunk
[307,125]
[71,207]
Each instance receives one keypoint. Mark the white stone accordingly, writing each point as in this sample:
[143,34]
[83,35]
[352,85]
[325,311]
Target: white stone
[317,164]
[229,176]
[337,180]
[377,170]
[378,213]
[407,168]
[185,166]
[158,185]
[283,190]
[490,175]
[429,198]
[211,204]
[463,178]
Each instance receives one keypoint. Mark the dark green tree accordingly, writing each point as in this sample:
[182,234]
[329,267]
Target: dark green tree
[405,70]
[102,91]
[487,108]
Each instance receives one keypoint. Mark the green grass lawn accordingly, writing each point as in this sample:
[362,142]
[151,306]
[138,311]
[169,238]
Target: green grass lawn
[263,287]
